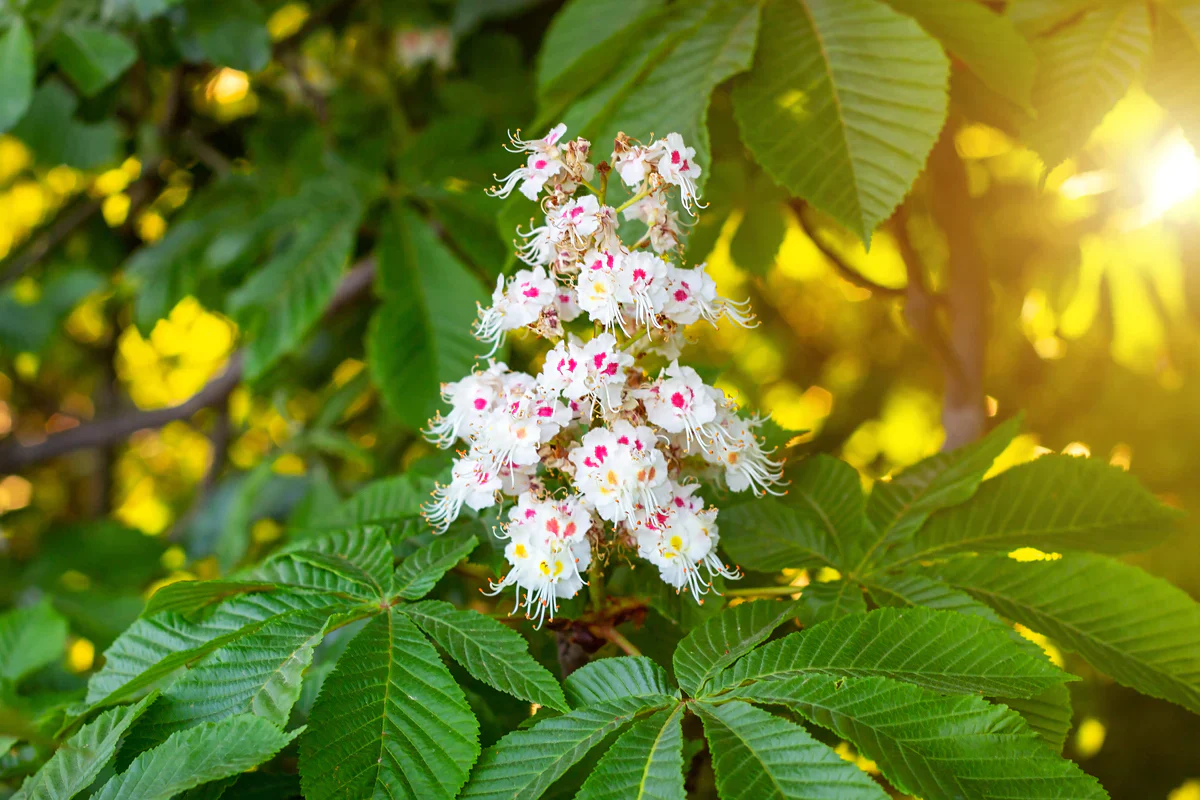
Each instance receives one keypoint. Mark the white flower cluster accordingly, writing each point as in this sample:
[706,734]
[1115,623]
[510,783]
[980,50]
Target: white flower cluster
[595,450]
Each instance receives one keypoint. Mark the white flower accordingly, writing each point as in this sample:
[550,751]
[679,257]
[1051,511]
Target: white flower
[738,451]
[621,473]
[579,219]
[548,551]
[606,365]
[646,275]
[632,165]
[566,303]
[518,305]
[677,166]
[470,400]
[602,287]
[662,223]
[684,546]
[692,295]
[544,162]
[680,402]
[564,372]
[473,482]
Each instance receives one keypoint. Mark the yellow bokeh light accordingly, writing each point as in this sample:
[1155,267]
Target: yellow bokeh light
[1089,737]
[15,493]
[228,86]
[115,209]
[81,655]
[1188,790]
[1033,554]
[1171,177]
[286,20]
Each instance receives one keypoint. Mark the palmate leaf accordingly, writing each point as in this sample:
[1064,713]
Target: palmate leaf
[285,298]
[354,564]
[81,758]
[931,745]
[758,756]
[186,597]
[820,602]
[1174,64]
[1048,713]
[725,638]
[982,39]
[645,763]
[152,648]
[951,653]
[673,96]
[30,638]
[824,508]
[259,674]
[1054,503]
[1085,67]
[381,502]
[421,571]
[614,678]
[390,721]
[897,508]
[494,654]
[585,40]
[18,68]
[526,762]
[835,115]
[1128,624]
[421,336]
[205,753]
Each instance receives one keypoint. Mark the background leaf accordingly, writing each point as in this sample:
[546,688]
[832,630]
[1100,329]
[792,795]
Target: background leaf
[836,119]
[16,72]
[30,638]
[91,56]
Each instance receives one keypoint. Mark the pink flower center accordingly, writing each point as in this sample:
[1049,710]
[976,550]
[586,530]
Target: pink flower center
[539,164]
[675,157]
[677,400]
[480,404]
[601,452]
[680,295]
[545,411]
[639,274]
[530,292]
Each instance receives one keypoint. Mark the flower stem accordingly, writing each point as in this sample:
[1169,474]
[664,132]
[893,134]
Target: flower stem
[618,638]
[625,345]
[596,585]
[599,193]
[639,196]
[764,591]
[603,187]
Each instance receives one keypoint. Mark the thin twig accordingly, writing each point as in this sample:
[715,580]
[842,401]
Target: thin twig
[15,456]
[764,591]
[847,272]
[616,637]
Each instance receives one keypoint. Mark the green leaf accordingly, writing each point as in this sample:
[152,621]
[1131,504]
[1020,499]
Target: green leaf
[897,508]
[92,57]
[723,639]
[931,745]
[757,755]
[1085,67]
[835,117]
[390,721]
[231,33]
[82,757]
[1047,714]
[189,758]
[16,73]
[286,297]
[823,509]
[421,571]
[381,502]
[645,762]
[825,601]
[356,564]
[945,652]
[1138,629]
[1174,64]
[1054,503]
[421,336]
[56,137]
[527,762]
[154,647]
[258,674]
[488,650]
[987,42]
[30,638]
[760,233]
[585,40]
[902,591]
[186,597]
[702,47]
[614,678]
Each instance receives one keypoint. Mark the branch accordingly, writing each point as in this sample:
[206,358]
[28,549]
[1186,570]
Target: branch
[15,456]
[848,273]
